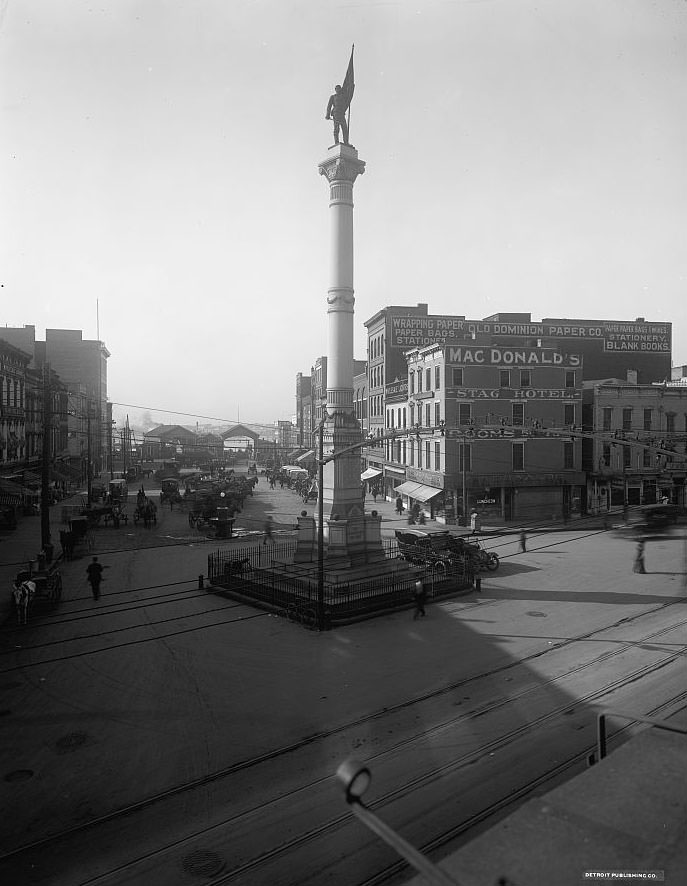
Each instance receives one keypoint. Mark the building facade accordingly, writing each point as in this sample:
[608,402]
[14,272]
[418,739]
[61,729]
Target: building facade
[551,480]
[638,450]
[490,428]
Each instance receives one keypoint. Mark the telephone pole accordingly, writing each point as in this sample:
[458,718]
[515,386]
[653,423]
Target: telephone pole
[45,465]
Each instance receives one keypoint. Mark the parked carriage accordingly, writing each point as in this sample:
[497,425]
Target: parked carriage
[169,491]
[76,540]
[29,587]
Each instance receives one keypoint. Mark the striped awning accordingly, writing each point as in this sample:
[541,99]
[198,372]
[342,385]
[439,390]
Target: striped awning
[418,491]
[11,492]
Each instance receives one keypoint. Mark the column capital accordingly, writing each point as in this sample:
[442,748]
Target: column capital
[342,164]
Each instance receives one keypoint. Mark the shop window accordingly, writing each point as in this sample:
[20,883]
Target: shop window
[504,378]
[518,456]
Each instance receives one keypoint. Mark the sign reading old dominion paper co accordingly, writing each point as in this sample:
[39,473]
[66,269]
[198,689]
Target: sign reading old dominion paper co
[608,347]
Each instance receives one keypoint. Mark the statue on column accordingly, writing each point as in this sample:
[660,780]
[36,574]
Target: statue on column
[339,103]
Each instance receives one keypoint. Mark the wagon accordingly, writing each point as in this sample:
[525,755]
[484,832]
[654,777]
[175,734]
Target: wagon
[77,539]
[48,587]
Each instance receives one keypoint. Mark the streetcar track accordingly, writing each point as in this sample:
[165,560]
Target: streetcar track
[384,712]
[406,789]
[446,837]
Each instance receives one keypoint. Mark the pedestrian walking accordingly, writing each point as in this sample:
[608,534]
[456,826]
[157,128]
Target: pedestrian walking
[420,599]
[267,530]
[639,558]
[399,506]
[475,522]
[523,542]
[478,583]
[94,573]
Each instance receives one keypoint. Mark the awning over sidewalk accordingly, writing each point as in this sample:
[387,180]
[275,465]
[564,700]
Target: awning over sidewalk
[306,455]
[418,491]
[12,493]
[370,474]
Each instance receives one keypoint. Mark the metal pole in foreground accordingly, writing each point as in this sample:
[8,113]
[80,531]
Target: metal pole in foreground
[356,779]
[320,527]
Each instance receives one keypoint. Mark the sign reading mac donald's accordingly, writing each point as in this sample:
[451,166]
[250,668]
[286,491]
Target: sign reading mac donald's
[522,357]
[612,335]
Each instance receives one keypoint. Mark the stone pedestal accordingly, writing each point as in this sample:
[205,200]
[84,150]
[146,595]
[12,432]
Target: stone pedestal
[306,540]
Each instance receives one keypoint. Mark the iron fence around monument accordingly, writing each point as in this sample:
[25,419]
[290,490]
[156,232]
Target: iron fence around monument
[266,579]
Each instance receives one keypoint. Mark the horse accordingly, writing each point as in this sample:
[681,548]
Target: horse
[23,593]
[67,541]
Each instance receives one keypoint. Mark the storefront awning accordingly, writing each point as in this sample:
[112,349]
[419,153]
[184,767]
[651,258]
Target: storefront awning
[370,474]
[12,493]
[418,491]
[306,455]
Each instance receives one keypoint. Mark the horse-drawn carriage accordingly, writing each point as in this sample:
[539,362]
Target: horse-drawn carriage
[76,540]
[169,491]
[29,586]
[146,510]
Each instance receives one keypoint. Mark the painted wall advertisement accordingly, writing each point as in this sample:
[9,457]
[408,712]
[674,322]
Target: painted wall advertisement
[615,336]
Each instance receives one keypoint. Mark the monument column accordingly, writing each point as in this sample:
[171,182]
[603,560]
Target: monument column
[341,487]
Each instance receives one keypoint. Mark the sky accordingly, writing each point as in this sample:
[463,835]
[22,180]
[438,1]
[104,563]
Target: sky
[160,186]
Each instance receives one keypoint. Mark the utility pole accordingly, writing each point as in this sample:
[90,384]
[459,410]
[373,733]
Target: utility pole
[89,466]
[45,465]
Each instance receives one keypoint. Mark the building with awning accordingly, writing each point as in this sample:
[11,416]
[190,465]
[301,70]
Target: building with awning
[417,491]
[11,493]
[370,474]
